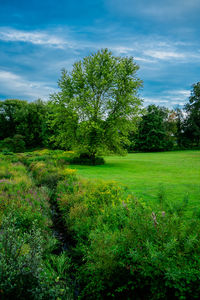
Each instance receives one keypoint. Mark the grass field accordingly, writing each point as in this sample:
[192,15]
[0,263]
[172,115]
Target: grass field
[176,175]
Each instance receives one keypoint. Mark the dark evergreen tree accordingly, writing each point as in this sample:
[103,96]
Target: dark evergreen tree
[154,133]
[192,122]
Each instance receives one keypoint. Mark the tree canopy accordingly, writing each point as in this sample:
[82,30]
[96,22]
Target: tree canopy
[97,104]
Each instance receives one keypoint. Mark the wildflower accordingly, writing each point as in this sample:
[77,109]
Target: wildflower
[124,205]
[154,218]
[5,181]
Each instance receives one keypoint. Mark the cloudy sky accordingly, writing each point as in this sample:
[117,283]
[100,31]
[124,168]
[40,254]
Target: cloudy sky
[40,37]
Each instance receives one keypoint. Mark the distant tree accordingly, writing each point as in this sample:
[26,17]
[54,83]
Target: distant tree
[97,104]
[32,123]
[154,132]
[9,110]
[28,119]
[192,122]
[180,141]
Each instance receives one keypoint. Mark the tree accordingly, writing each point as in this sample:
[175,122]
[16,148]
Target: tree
[192,122]
[32,123]
[154,132]
[181,142]
[26,119]
[97,104]
[9,110]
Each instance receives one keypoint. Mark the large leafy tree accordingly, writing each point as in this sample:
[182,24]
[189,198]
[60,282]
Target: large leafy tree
[97,104]
[192,122]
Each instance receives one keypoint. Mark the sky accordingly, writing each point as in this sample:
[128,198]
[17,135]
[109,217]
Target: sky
[38,38]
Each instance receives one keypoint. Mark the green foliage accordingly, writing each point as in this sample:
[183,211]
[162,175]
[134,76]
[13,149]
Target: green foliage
[24,274]
[20,260]
[123,248]
[15,144]
[9,112]
[28,269]
[153,129]
[19,117]
[97,104]
[86,159]
[18,143]
[192,122]
[128,249]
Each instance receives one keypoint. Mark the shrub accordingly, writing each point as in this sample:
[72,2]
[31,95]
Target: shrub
[15,144]
[7,145]
[24,274]
[135,253]
[18,143]
[20,260]
[86,159]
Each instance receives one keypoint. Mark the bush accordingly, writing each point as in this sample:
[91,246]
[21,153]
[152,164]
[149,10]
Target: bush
[16,144]
[24,274]
[86,159]
[20,260]
[139,254]
[7,145]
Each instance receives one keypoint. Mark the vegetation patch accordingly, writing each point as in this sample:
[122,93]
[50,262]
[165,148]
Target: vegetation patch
[26,240]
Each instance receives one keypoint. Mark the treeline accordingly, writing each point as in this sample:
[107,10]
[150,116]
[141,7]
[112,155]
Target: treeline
[162,129]
[26,125]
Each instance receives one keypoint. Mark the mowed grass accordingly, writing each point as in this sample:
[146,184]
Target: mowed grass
[175,175]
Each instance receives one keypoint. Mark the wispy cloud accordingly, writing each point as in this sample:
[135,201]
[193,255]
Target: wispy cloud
[17,85]
[144,49]
[33,37]
[161,10]
[166,55]
[169,98]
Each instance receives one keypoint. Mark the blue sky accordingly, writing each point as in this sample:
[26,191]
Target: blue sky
[40,37]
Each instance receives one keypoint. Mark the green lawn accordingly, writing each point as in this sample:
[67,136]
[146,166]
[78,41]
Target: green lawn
[146,174]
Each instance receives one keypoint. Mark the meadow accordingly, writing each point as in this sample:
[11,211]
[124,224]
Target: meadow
[129,229]
[173,175]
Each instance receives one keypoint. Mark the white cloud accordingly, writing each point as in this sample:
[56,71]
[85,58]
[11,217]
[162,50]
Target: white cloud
[121,49]
[33,37]
[153,49]
[169,98]
[143,59]
[164,54]
[15,86]
[161,10]
[150,100]
[181,93]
